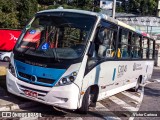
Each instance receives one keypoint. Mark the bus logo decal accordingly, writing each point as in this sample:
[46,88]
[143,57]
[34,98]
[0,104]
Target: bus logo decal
[137,67]
[114,73]
[121,70]
[33,78]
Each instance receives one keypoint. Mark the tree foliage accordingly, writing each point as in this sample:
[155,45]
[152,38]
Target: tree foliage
[8,14]
[15,13]
[142,7]
[27,9]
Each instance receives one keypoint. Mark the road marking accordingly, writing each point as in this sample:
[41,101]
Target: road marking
[138,106]
[122,103]
[73,118]
[147,82]
[158,80]
[100,107]
[131,96]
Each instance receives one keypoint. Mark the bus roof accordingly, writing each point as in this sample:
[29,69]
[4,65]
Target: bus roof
[110,19]
[70,10]
[82,12]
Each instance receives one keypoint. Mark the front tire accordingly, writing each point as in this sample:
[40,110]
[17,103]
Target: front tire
[85,102]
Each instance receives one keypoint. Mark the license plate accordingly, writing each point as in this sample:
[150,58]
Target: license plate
[31,93]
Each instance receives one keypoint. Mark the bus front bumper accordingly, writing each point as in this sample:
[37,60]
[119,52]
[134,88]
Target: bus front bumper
[61,96]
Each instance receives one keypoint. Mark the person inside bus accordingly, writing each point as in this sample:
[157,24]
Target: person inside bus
[124,46]
[106,48]
[135,51]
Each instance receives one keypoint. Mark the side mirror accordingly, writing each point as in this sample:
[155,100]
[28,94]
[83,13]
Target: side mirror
[91,49]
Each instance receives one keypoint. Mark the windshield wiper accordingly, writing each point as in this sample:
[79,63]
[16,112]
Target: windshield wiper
[55,51]
[56,56]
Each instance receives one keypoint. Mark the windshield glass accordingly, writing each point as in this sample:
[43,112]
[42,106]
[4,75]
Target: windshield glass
[56,35]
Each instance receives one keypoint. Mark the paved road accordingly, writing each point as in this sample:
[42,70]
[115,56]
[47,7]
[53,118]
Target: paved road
[5,64]
[151,100]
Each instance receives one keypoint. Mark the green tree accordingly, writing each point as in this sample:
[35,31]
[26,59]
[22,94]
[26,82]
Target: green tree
[143,7]
[8,13]
[70,4]
[26,8]
[47,2]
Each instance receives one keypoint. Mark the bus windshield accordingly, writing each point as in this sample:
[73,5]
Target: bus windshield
[59,35]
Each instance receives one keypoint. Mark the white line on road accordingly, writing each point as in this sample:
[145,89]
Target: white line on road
[100,107]
[131,96]
[158,80]
[122,103]
[147,82]
[73,118]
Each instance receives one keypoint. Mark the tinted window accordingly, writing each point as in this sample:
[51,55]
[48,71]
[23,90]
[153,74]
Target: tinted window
[136,46]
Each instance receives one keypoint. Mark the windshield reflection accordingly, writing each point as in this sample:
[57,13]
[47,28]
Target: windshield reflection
[60,37]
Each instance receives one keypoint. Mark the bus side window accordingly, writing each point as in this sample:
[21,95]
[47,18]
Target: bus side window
[145,47]
[106,47]
[123,46]
[136,46]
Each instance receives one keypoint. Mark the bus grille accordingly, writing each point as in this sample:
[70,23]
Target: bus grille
[24,75]
[39,79]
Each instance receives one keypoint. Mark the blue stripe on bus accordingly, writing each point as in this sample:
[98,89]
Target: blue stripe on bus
[42,72]
[114,73]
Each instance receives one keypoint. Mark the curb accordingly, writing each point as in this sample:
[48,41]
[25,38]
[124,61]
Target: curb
[16,106]
[2,71]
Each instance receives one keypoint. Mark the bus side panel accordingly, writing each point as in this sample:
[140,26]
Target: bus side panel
[115,76]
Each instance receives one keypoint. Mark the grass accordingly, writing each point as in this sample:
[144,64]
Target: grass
[2,71]
[3,77]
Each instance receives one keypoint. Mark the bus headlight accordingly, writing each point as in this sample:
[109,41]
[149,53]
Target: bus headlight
[67,80]
[11,69]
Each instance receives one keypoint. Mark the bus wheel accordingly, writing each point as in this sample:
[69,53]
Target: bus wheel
[6,59]
[136,88]
[85,102]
